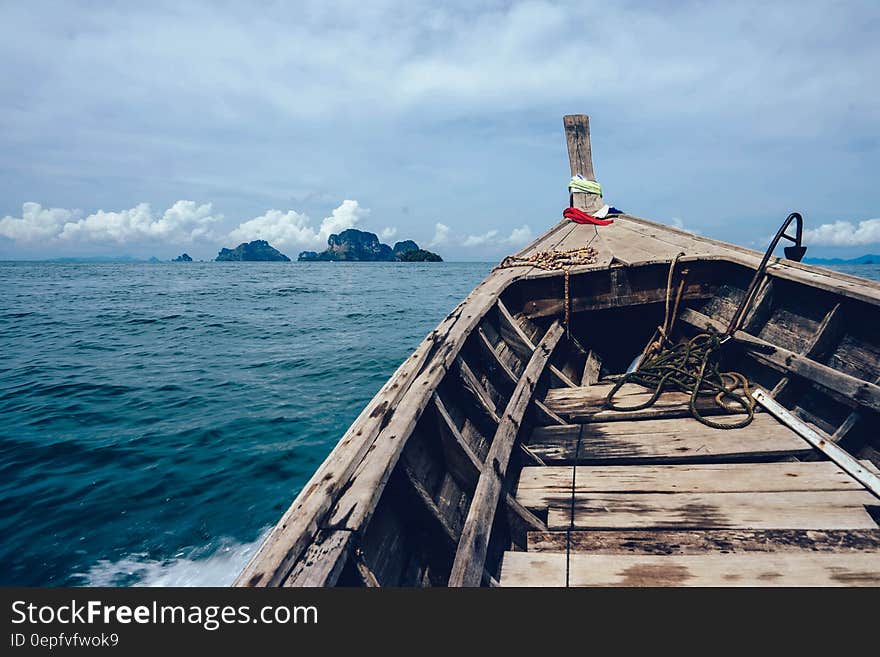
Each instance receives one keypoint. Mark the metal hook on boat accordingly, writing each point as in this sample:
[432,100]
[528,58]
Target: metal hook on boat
[795,252]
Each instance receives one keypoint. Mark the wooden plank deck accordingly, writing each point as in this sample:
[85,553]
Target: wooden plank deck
[665,441]
[542,487]
[700,541]
[549,569]
[672,502]
[587,403]
[753,510]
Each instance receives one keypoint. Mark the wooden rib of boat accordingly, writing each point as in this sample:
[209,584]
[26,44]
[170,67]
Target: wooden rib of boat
[488,458]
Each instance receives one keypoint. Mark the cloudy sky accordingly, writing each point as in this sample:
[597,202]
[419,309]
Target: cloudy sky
[156,128]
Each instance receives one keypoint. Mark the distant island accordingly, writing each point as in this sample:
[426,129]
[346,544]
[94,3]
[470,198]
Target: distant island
[354,245]
[350,245]
[256,251]
[869,259]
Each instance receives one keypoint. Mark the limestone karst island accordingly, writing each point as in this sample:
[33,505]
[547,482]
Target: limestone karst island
[350,245]
[360,245]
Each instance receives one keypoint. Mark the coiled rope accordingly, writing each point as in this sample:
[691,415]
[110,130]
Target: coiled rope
[691,367]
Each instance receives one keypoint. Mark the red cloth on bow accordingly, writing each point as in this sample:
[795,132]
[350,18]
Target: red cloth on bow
[581,217]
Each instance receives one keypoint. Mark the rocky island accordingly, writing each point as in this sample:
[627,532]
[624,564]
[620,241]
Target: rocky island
[354,245]
[419,255]
[256,251]
[183,257]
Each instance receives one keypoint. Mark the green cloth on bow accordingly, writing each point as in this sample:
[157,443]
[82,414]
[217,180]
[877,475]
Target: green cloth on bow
[580,184]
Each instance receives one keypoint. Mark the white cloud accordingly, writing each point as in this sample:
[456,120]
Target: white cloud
[844,233]
[345,216]
[388,233]
[184,221]
[35,223]
[519,236]
[441,235]
[294,229]
[276,227]
[480,240]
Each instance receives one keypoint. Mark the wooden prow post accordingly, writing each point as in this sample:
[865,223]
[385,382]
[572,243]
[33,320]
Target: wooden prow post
[580,156]
[577,135]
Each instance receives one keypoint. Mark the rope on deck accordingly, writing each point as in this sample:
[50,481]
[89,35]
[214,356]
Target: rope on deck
[691,367]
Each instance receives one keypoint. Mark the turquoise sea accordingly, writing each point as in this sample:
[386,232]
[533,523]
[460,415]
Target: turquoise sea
[863,271]
[156,419]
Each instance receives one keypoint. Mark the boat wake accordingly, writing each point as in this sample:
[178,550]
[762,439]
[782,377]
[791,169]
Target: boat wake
[200,567]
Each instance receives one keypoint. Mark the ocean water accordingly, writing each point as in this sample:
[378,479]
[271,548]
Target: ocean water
[863,271]
[156,419]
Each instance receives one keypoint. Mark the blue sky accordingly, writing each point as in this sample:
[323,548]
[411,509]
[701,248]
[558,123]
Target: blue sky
[158,128]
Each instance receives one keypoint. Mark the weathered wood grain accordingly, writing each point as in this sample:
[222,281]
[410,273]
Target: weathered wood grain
[519,342]
[580,157]
[464,464]
[470,555]
[493,362]
[659,241]
[523,516]
[541,487]
[705,541]
[367,576]
[863,393]
[762,305]
[827,333]
[477,391]
[592,367]
[561,376]
[629,251]
[580,151]
[430,506]
[587,403]
[789,510]
[740,569]
[863,473]
[545,415]
[322,562]
[461,460]
[513,334]
[661,238]
[849,423]
[663,441]
[509,377]
[555,306]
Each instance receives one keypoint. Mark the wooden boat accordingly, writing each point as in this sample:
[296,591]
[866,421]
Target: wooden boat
[489,457]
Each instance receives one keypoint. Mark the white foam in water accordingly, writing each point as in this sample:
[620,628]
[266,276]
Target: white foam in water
[217,569]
